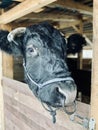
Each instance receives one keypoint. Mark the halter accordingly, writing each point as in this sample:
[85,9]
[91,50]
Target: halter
[40,86]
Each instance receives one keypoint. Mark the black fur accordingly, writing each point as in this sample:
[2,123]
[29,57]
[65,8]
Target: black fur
[9,47]
[4,43]
[75,43]
[43,49]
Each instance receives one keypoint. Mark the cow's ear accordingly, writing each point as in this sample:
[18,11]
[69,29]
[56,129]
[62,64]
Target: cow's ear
[11,42]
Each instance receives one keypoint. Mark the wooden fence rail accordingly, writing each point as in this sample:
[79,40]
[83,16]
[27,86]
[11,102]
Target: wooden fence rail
[24,111]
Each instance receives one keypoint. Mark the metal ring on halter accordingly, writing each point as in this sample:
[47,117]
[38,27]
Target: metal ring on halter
[68,112]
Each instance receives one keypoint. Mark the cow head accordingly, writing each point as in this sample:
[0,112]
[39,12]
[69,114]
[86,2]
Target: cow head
[44,51]
[75,43]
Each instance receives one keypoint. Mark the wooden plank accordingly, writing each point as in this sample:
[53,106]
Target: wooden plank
[51,16]
[32,119]
[15,122]
[68,24]
[19,0]
[36,11]
[18,69]
[94,89]
[61,24]
[7,65]
[1,97]
[76,29]
[9,125]
[89,42]
[74,6]
[23,9]
[21,99]
[27,114]
[80,54]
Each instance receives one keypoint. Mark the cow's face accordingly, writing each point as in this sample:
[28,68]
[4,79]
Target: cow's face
[44,51]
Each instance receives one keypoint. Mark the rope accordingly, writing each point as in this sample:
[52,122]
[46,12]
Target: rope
[52,112]
[70,112]
[47,82]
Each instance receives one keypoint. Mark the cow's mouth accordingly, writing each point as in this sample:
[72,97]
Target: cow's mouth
[68,105]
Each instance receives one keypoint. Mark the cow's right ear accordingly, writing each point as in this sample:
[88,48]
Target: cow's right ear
[11,43]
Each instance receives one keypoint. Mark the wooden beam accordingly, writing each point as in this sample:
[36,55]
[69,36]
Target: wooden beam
[51,16]
[70,4]
[89,42]
[76,29]
[36,11]
[19,0]
[68,24]
[64,20]
[94,88]
[39,10]
[23,9]
[85,33]
[80,54]
[7,65]
[1,97]
[85,1]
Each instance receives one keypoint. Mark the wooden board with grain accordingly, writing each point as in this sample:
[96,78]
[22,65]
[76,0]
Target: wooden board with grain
[94,88]
[1,97]
[18,71]
[24,111]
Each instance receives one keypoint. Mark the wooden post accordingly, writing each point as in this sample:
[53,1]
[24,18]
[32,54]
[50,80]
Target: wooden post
[1,97]
[94,89]
[80,60]
[7,60]
[7,65]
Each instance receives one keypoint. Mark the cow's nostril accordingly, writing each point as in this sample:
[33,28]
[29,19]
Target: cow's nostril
[57,89]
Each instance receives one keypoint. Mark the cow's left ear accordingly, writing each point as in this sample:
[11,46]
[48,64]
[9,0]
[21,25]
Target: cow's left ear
[11,42]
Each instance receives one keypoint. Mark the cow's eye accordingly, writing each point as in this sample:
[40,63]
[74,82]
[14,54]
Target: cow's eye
[30,50]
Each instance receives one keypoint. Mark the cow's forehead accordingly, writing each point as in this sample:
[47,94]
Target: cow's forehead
[45,36]
[38,38]
[42,26]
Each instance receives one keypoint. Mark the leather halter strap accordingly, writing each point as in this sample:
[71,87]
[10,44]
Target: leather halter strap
[47,82]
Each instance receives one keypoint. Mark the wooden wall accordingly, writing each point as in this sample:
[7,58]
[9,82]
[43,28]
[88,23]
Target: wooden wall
[1,97]
[24,112]
[94,92]
[18,71]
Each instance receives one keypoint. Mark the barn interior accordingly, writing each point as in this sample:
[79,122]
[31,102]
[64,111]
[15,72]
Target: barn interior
[68,16]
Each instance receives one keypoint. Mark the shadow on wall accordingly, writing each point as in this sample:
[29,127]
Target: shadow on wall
[82,79]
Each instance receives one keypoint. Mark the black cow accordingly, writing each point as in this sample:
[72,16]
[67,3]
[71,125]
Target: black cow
[43,49]
[75,43]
